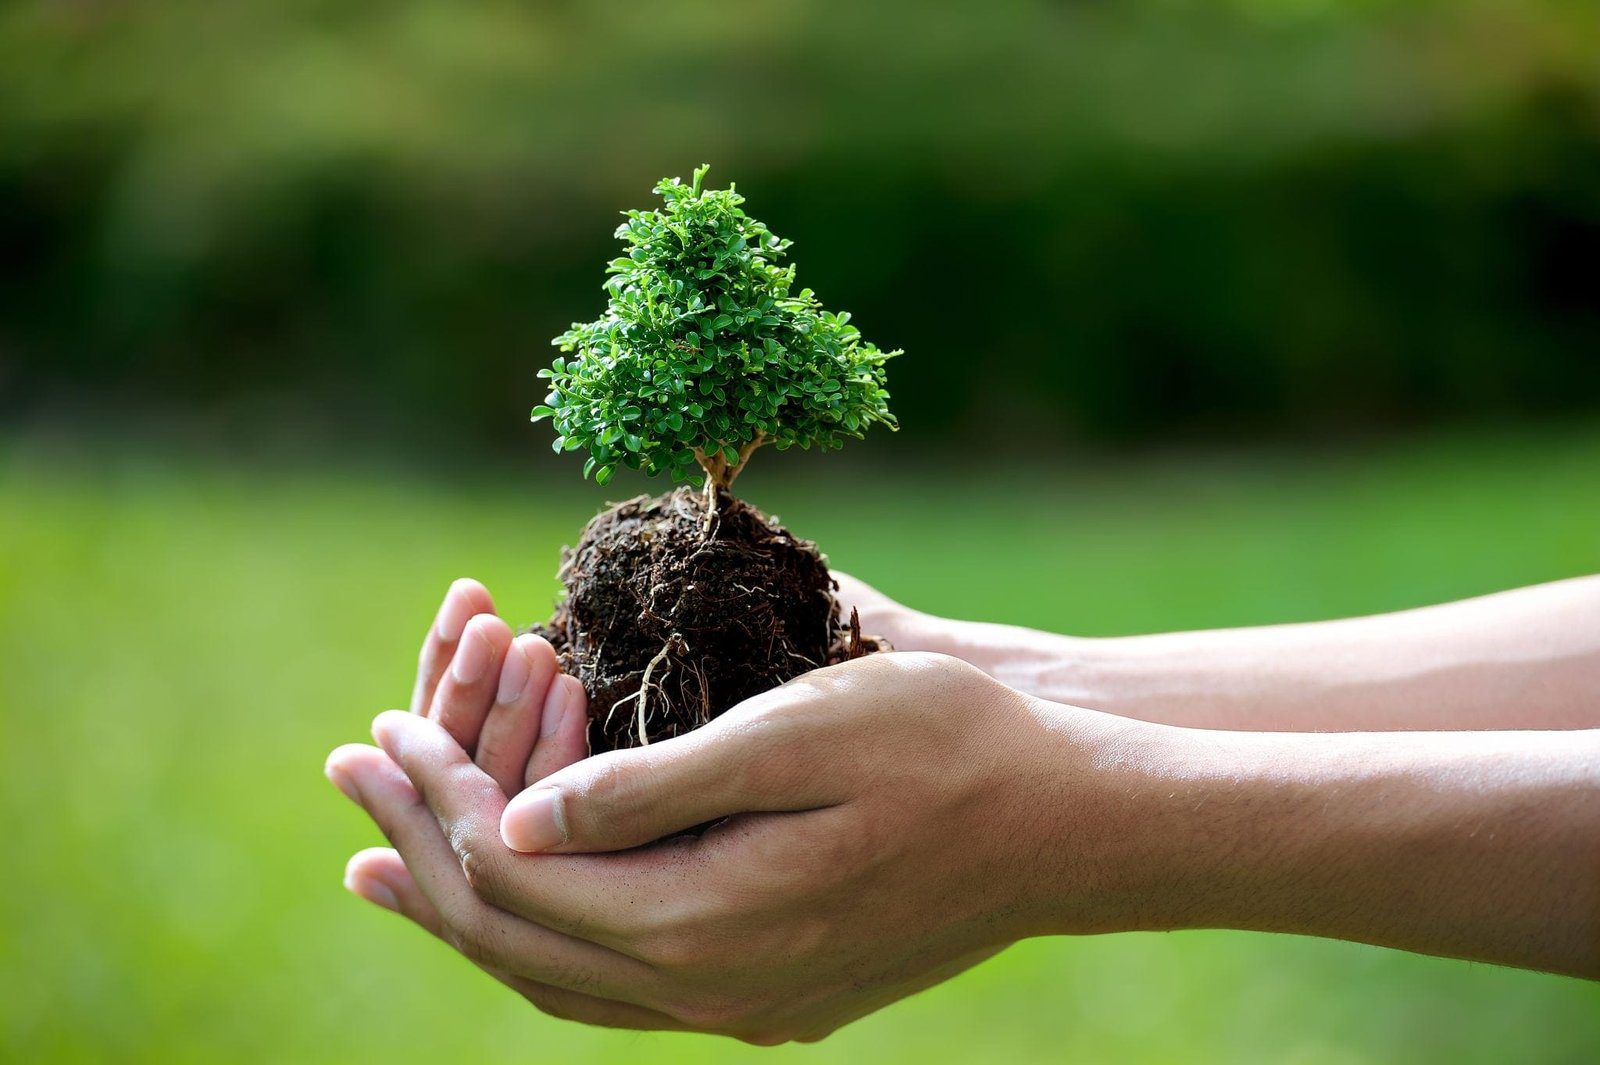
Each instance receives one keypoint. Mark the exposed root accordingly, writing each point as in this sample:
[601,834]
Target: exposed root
[674,645]
[671,626]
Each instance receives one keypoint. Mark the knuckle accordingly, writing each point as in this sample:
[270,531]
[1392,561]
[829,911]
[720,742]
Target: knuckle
[470,927]
[491,743]
[604,797]
[481,939]
[471,937]
[714,1013]
[606,784]
[484,867]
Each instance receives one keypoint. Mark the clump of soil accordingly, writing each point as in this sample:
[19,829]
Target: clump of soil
[669,620]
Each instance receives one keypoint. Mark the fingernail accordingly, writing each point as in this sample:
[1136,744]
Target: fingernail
[534,821]
[372,890]
[342,781]
[514,675]
[555,706]
[471,659]
[454,613]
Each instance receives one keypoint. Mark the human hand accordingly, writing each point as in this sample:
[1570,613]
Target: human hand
[888,825]
[1041,664]
[503,699]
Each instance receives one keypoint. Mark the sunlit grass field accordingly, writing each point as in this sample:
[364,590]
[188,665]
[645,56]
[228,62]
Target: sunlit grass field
[183,639]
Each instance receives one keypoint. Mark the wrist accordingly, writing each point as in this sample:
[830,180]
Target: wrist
[1107,812]
[1161,828]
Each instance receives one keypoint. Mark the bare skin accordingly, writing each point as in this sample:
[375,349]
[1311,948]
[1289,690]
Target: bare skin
[896,819]
[1523,659]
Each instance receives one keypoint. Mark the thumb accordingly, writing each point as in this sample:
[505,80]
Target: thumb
[754,758]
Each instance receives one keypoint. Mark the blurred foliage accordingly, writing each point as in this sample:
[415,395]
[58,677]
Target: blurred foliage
[1106,218]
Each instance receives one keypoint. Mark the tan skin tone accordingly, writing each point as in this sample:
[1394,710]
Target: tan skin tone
[899,818]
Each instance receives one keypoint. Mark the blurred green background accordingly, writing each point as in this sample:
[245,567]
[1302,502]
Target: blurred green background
[1105,220]
[1215,314]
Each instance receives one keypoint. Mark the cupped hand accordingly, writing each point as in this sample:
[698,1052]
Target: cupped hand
[503,699]
[883,831]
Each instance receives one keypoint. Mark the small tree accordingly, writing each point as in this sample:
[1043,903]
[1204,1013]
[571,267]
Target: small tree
[705,354]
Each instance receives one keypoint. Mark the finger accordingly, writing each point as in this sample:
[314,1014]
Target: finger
[512,725]
[485,934]
[588,1009]
[563,731]
[467,689]
[588,897]
[462,600]
[743,762]
[379,875]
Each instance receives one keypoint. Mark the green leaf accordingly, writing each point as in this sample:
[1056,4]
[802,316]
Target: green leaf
[704,340]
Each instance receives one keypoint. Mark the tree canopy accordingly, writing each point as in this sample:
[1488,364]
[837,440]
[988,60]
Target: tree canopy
[705,352]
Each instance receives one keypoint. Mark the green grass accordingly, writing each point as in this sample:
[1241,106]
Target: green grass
[181,642]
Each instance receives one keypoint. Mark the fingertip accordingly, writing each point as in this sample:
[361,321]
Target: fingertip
[563,730]
[534,821]
[489,624]
[470,588]
[365,884]
[475,595]
[346,751]
[565,701]
[348,757]
[340,778]
[514,673]
[371,860]
[539,650]
[458,607]
[387,727]
[579,698]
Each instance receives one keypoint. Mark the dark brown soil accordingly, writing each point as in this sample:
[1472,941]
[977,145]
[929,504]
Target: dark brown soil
[697,622]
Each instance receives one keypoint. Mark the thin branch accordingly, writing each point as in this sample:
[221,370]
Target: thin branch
[744,456]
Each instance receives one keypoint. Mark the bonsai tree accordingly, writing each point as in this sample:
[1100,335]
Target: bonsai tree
[681,605]
[705,352]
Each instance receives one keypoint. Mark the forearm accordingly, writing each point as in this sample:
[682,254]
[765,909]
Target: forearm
[1529,658]
[1483,846]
